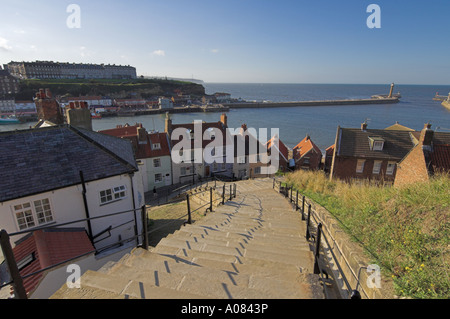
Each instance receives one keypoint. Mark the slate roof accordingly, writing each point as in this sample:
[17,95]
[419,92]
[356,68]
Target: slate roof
[50,247]
[354,142]
[40,160]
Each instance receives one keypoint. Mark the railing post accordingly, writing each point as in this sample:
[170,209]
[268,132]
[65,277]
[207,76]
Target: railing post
[296,202]
[188,209]
[223,195]
[144,227]
[234,191]
[231,192]
[303,208]
[210,199]
[279,189]
[308,235]
[19,289]
[316,254]
[290,199]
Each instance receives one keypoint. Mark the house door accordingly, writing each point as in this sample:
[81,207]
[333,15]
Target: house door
[168,180]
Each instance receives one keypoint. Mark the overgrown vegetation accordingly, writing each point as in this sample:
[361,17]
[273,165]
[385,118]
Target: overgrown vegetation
[404,230]
[108,87]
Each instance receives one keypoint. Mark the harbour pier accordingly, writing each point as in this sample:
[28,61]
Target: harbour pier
[388,100]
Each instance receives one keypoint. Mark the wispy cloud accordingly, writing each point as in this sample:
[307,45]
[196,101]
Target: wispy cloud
[159,53]
[4,45]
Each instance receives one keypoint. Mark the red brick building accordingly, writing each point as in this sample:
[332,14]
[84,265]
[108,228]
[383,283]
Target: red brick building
[369,154]
[307,155]
[47,108]
[430,155]
[275,144]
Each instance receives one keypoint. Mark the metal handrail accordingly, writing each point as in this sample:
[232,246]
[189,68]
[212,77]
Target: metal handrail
[17,279]
[71,222]
[311,213]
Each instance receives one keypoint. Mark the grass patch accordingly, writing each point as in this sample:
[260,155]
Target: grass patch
[166,219]
[405,230]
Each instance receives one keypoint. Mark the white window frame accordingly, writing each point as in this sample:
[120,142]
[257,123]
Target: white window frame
[377,167]
[156,161]
[35,213]
[389,170]
[112,195]
[156,146]
[360,166]
[378,145]
[160,179]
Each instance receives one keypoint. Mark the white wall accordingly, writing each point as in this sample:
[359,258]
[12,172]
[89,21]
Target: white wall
[55,278]
[67,205]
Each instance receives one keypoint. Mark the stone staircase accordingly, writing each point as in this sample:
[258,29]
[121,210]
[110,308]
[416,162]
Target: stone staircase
[253,247]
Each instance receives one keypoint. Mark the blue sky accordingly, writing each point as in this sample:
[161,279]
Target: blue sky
[259,41]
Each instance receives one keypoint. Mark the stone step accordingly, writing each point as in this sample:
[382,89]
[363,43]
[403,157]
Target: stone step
[86,293]
[302,259]
[244,232]
[118,285]
[225,219]
[249,225]
[144,259]
[209,281]
[261,242]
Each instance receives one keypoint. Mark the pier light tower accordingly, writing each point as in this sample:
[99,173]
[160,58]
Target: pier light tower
[391,91]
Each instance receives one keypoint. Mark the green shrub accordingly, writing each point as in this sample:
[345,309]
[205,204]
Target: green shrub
[406,230]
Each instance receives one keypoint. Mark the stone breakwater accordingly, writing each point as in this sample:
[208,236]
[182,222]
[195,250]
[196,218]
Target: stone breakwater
[312,103]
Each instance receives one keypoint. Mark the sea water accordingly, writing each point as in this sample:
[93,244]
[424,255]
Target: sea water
[416,108]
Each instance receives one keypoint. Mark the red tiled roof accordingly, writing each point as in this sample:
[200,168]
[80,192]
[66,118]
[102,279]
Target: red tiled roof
[49,247]
[123,131]
[142,150]
[330,150]
[440,157]
[147,150]
[205,126]
[282,148]
[304,147]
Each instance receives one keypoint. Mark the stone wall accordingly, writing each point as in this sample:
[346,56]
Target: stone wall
[350,255]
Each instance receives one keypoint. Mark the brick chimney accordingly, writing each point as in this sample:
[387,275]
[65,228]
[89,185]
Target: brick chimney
[142,134]
[78,115]
[426,135]
[48,108]
[243,129]
[168,124]
[364,126]
[224,119]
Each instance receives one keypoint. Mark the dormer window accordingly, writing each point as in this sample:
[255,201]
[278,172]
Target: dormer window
[212,133]
[157,146]
[376,143]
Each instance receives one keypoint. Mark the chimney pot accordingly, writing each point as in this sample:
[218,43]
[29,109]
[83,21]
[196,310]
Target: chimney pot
[426,136]
[364,126]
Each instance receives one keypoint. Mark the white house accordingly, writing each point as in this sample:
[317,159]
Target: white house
[60,174]
[152,150]
[199,150]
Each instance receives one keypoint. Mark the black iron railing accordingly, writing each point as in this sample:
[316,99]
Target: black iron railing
[16,280]
[316,235]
